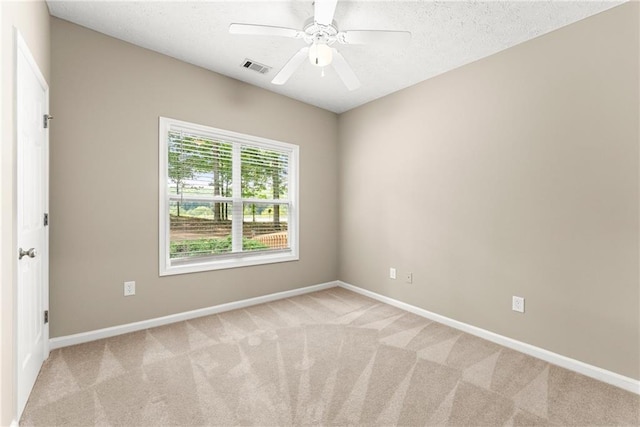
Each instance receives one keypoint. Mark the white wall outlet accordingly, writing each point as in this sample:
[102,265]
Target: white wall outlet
[392,273]
[129,288]
[517,304]
[408,278]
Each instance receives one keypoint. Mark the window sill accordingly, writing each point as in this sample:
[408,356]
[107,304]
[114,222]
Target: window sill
[228,262]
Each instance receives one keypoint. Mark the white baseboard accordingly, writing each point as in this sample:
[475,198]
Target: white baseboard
[595,372]
[14,423]
[83,337]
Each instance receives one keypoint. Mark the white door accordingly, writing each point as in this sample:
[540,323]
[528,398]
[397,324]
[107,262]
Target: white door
[32,98]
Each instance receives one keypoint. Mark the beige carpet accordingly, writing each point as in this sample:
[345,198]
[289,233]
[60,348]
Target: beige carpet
[331,358]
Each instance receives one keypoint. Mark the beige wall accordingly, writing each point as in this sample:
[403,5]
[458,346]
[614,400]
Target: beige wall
[514,175]
[32,20]
[106,97]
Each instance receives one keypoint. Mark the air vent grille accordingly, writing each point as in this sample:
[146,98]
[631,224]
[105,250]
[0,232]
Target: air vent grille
[253,65]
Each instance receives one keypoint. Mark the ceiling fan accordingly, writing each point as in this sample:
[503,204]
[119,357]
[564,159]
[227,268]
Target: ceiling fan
[320,33]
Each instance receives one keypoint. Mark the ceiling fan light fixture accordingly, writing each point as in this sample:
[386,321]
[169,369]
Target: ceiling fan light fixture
[320,54]
[320,32]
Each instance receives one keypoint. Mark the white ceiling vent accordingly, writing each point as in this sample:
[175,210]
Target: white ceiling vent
[253,65]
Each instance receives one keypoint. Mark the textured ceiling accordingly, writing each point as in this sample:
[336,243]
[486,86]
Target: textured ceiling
[445,35]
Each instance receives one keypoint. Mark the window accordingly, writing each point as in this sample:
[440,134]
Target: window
[226,199]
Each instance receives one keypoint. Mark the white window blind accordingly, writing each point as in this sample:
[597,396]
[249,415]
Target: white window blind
[227,199]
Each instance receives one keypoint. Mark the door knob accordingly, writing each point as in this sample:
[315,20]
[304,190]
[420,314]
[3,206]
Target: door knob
[31,253]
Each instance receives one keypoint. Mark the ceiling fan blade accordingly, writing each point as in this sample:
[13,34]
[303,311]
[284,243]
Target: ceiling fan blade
[344,71]
[324,10]
[264,30]
[374,36]
[291,66]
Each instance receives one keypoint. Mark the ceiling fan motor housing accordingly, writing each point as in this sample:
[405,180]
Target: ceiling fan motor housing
[319,33]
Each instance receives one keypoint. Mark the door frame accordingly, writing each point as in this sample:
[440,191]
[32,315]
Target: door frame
[22,47]
[3,407]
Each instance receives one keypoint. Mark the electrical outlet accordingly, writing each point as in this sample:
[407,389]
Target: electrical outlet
[392,273]
[129,288]
[408,278]
[517,304]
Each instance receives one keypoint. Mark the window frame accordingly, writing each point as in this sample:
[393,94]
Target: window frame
[233,259]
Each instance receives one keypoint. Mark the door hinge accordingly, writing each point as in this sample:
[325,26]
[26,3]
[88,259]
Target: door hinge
[46,219]
[46,316]
[46,118]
